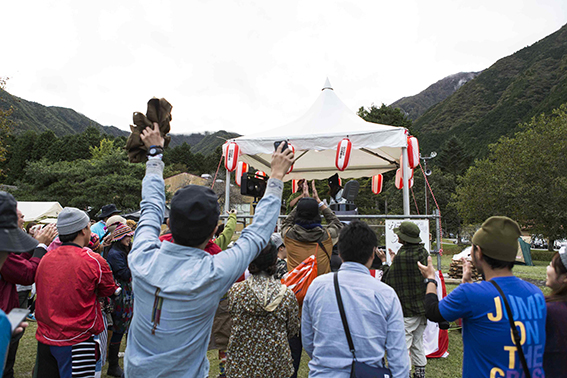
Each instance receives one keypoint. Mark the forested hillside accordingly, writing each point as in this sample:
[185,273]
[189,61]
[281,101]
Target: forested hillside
[511,91]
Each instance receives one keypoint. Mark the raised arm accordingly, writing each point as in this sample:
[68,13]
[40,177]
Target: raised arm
[334,225]
[226,236]
[234,261]
[153,196]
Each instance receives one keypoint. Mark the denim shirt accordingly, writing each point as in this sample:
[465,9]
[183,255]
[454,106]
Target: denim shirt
[374,316]
[177,289]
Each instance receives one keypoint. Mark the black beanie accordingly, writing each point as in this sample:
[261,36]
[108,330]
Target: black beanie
[194,214]
[308,209]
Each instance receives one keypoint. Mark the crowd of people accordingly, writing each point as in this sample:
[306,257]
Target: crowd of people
[179,290]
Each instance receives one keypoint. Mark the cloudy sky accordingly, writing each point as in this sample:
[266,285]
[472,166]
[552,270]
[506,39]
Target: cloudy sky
[243,65]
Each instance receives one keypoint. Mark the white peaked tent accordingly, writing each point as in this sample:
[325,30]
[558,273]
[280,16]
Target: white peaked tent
[315,136]
[34,211]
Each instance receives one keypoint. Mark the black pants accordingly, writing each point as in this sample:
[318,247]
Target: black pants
[296,349]
[11,357]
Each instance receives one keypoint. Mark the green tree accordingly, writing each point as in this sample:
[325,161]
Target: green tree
[84,182]
[385,115]
[105,148]
[524,177]
[453,157]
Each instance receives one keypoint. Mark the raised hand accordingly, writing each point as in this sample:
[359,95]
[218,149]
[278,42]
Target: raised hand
[152,137]
[427,271]
[281,162]
[46,234]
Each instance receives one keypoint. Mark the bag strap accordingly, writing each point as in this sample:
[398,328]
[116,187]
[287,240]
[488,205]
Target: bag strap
[515,332]
[342,312]
[320,243]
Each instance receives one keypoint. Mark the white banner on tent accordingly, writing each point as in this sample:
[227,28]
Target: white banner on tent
[392,239]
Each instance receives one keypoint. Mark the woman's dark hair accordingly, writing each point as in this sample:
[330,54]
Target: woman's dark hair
[357,242]
[69,238]
[29,226]
[266,260]
[559,295]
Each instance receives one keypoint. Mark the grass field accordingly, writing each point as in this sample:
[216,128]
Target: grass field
[443,367]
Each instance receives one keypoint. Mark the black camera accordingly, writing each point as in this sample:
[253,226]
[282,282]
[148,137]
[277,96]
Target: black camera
[253,186]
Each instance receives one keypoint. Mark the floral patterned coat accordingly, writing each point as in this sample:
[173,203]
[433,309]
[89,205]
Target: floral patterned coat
[265,315]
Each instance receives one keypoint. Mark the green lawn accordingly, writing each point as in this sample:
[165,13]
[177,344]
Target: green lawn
[443,367]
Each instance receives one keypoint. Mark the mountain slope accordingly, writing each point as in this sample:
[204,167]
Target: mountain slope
[32,116]
[511,91]
[415,106]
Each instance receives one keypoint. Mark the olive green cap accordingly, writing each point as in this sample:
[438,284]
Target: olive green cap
[408,232]
[498,238]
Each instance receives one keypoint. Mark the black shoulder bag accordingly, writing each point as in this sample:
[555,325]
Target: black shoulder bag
[358,369]
[517,339]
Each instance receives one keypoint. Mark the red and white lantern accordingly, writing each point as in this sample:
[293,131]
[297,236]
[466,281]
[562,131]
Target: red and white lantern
[413,152]
[292,150]
[294,186]
[260,174]
[400,178]
[377,182]
[231,152]
[241,168]
[343,154]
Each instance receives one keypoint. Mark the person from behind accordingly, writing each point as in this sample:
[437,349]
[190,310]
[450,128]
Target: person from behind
[14,241]
[264,316]
[489,347]
[178,285]
[68,280]
[372,310]
[405,278]
[335,190]
[303,236]
[123,303]
[554,361]
[281,264]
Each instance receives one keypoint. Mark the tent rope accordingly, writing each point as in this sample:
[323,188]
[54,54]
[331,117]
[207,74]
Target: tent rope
[414,200]
[216,173]
[437,205]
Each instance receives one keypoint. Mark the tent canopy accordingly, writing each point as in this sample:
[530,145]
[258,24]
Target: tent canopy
[38,210]
[375,148]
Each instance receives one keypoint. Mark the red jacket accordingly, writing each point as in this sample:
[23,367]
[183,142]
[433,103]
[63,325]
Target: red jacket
[18,269]
[68,281]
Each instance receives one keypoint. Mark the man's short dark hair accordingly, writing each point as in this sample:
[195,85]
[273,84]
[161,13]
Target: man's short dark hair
[69,238]
[357,242]
[494,263]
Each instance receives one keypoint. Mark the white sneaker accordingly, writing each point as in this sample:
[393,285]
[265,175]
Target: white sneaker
[120,354]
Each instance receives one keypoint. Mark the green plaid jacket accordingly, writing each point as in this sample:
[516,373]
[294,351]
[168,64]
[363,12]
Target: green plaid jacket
[406,279]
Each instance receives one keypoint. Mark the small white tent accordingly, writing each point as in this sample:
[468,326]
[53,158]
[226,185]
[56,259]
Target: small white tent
[375,148]
[34,211]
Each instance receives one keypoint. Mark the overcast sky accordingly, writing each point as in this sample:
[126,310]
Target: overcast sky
[243,65]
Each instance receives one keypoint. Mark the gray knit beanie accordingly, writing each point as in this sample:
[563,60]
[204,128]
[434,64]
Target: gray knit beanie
[71,220]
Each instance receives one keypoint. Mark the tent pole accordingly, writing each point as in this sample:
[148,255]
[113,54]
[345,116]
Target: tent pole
[406,179]
[227,193]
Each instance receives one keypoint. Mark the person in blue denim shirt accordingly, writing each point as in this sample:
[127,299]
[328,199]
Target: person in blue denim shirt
[178,285]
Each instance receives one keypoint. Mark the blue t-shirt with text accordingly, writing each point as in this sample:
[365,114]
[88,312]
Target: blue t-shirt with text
[489,349]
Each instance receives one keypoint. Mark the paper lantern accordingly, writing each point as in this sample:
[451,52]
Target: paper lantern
[413,152]
[260,174]
[343,154]
[241,168]
[292,150]
[294,186]
[400,179]
[377,182]
[231,152]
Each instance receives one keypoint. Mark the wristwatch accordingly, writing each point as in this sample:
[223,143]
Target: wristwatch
[155,150]
[428,280]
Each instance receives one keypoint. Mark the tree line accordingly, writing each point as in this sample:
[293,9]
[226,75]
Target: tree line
[523,176]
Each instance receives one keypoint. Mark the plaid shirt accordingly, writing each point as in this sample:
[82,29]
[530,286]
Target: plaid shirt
[406,279]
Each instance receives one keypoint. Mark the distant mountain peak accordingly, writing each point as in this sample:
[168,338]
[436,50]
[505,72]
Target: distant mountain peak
[415,106]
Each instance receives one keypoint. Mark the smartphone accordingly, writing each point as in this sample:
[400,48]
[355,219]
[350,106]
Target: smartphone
[277,144]
[16,316]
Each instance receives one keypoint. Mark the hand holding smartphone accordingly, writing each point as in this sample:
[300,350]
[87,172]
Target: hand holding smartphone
[17,316]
